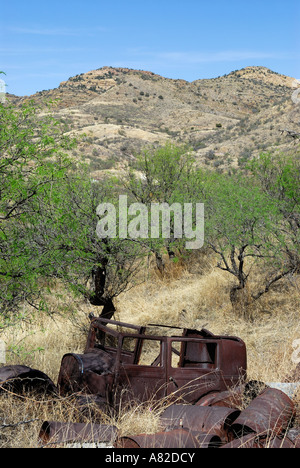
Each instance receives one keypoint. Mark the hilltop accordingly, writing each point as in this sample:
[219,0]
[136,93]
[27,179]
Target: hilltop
[226,120]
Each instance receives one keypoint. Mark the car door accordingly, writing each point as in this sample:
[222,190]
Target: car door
[145,380]
[194,372]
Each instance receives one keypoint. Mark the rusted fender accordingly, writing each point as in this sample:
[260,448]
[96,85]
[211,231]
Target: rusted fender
[226,399]
[177,438]
[20,378]
[234,397]
[270,412]
[210,420]
[53,433]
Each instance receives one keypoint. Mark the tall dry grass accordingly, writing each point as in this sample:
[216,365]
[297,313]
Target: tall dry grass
[194,294]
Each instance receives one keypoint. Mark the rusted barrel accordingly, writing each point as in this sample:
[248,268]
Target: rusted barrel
[270,412]
[215,420]
[178,438]
[76,369]
[19,379]
[56,433]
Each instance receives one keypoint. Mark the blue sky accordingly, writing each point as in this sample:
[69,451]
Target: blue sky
[44,43]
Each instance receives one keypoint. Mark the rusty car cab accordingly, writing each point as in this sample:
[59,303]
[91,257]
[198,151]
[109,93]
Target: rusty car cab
[125,361]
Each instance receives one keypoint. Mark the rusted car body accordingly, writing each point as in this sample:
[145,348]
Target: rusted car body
[125,362]
[202,376]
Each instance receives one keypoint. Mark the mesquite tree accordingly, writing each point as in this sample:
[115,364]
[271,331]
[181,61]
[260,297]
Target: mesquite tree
[98,269]
[161,176]
[33,157]
[247,226]
[48,219]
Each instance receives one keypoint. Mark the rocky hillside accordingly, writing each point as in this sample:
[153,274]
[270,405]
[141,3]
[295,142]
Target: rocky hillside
[226,120]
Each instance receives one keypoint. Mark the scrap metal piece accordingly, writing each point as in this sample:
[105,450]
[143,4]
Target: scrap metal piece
[294,436]
[19,379]
[177,438]
[271,411]
[235,397]
[53,433]
[257,441]
[248,441]
[91,372]
[210,420]
[226,399]
[279,442]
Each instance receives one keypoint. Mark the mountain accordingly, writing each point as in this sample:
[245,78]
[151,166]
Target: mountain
[226,120]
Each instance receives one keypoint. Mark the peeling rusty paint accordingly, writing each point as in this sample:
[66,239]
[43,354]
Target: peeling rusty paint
[113,362]
[210,420]
[19,379]
[270,412]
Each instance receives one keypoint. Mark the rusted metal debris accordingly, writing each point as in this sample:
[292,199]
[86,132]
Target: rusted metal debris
[187,365]
[226,399]
[270,412]
[248,441]
[207,419]
[265,423]
[256,441]
[19,379]
[177,438]
[294,436]
[55,434]
[235,397]
[206,373]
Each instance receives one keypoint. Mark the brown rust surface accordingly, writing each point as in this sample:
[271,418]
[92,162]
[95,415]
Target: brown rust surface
[177,438]
[188,365]
[57,433]
[210,420]
[270,412]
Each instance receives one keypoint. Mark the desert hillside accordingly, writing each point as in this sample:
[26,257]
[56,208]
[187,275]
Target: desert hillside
[226,120]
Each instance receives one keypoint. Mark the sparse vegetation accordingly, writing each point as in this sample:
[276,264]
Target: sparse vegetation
[195,286]
[54,271]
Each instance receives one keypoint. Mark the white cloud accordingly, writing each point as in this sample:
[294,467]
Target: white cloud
[40,31]
[35,50]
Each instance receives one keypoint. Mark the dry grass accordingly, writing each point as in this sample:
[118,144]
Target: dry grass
[197,296]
